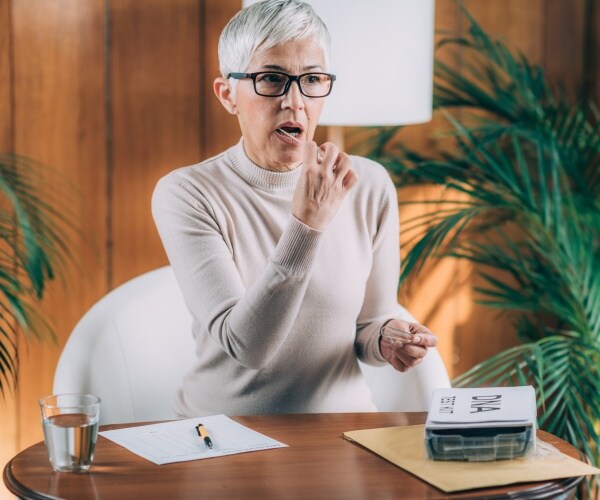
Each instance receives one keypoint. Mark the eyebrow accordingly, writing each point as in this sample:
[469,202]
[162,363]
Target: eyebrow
[276,67]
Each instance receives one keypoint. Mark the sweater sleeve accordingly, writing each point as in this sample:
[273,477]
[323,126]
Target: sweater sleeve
[381,294]
[250,324]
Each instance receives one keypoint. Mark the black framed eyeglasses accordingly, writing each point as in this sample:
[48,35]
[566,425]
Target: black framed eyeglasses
[276,83]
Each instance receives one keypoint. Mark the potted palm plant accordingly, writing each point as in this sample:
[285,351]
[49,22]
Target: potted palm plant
[34,228]
[522,204]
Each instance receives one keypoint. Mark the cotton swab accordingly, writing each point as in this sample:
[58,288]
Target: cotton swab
[290,136]
[396,335]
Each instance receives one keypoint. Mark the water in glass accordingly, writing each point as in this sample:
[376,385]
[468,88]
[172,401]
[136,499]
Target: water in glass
[70,439]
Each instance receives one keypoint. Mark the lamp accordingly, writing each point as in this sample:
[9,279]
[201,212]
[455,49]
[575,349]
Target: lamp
[382,55]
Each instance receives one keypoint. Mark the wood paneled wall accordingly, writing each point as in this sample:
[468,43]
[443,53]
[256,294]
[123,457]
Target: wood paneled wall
[115,93]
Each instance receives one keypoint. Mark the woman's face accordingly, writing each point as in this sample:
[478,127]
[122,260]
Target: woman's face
[260,117]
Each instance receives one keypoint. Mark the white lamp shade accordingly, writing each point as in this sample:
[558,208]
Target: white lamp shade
[382,55]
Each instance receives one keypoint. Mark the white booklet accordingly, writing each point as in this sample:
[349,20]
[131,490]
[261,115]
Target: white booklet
[178,441]
[482,407]
[481,424]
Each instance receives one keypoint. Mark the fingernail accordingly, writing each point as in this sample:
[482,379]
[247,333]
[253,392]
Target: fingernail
[417,339]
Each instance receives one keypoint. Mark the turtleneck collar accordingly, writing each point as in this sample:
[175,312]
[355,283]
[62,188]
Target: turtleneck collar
[257,176]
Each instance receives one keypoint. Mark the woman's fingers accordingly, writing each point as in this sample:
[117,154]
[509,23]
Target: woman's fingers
[407,356]
[325,179]
[407,332]
[344,173]
[403,365]
[331,160]
[327,155]
[349,180]
[404,344]
[425,339]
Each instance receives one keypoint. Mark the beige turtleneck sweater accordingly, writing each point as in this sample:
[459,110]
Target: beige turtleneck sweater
[281,311]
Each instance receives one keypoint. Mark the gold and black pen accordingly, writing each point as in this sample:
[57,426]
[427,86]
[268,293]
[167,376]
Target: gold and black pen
[204,435]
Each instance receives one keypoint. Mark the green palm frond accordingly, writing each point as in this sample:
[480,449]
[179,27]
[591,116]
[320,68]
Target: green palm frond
[518,99]
[521,202]
[566,374]
[34,248]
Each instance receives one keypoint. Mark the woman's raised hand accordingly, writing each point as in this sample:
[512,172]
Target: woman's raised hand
[326,178]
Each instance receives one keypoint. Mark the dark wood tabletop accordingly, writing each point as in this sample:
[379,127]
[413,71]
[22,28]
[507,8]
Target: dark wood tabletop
[319,463]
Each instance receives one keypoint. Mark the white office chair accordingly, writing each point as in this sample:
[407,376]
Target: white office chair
[133,347]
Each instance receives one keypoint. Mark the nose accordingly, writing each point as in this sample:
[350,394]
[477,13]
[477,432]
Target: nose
[293,98]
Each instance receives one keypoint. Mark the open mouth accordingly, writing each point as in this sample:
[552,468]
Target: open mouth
[290,132]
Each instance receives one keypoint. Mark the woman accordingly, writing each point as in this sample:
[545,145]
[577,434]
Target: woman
[286,252]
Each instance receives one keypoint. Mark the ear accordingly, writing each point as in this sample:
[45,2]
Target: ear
[224,92]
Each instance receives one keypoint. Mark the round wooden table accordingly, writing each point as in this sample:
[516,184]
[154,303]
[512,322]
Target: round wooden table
[319,463]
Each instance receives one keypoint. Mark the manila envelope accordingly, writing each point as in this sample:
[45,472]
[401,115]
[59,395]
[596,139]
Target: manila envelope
[405,447]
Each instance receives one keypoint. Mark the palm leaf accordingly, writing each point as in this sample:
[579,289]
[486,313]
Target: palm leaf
[35,230]
[568,399]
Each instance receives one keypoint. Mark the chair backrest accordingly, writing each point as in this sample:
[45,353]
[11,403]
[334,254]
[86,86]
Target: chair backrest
[131,349]
[134,345]
[409,391]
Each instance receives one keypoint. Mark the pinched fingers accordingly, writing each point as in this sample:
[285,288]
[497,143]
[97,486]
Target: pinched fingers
[325,180]
[404,364]
[425,339]
[410,350]
[344,172]
[327,156]
[311,154]
[403,332]
[329,160]
[407,356]
[404,344]
[411,354]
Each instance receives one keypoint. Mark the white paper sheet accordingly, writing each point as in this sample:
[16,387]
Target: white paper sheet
[178,441]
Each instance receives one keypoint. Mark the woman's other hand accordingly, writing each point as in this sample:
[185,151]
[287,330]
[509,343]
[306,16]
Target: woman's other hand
[326,177]
[403,351]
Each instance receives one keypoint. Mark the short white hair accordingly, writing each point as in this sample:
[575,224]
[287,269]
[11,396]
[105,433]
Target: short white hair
[264,25]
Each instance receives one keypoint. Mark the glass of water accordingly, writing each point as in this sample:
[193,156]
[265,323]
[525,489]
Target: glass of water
[70,430]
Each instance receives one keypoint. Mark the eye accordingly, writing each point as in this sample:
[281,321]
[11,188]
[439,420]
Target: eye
[313,79]
[272,78]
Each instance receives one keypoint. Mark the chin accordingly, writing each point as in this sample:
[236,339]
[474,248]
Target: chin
[290,160]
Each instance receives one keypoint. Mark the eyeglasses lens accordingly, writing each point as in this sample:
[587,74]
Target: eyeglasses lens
[311,84]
